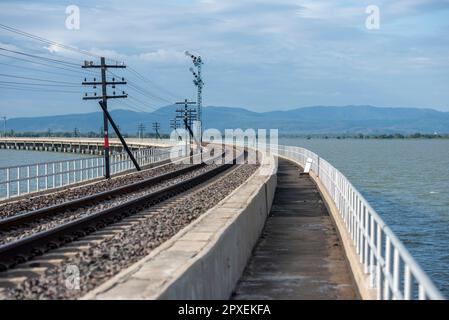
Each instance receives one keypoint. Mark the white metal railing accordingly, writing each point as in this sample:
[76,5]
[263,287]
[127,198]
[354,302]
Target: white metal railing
[393,272]
[21,180]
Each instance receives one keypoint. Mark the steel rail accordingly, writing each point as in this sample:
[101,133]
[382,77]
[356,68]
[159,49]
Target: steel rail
[20,219]
[39,243]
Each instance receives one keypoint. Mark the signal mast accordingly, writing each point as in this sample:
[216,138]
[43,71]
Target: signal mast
[198,81]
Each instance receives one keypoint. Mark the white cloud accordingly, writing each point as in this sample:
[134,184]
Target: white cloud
[247,43]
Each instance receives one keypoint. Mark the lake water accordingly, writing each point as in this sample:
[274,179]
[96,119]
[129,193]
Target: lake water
[13,158]
[19,157]
[407,183]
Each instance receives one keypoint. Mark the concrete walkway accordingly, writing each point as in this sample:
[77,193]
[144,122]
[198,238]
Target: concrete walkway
[299,255]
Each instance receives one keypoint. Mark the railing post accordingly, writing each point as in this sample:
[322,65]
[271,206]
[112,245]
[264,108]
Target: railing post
[367,238]
[378,263]
[68,171]
[407,283]
[92,168]
[28,179]
[422,293]
[81,170]
[371,251]
[60,175]
[395,274]
[8,183]
[387,268]
[37,177]
[46,175]
[98,168]
[54,175]
[18,181]
[74,171]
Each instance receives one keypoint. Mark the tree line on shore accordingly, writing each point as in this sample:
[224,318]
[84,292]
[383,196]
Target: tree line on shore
[91,134]
[74,134]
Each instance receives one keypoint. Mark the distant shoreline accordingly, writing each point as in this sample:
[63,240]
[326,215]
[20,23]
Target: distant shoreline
[397,136]
[358,136]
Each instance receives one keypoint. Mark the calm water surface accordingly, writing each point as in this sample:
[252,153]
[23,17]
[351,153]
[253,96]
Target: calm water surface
[407,183]
[13,158]
[19,157]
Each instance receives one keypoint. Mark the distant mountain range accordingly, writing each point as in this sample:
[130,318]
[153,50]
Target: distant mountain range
[308,120]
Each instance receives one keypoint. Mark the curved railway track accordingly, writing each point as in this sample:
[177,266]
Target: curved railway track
[24,249]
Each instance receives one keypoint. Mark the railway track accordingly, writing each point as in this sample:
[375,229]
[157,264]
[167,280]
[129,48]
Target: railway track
[24,249]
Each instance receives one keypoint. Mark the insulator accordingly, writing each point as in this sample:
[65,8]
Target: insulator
[123,79]
[95,79]
[85,94]
[85,79]
[114,93]
[95,94]
[113,79]
[95,87]
[113,86]
[123,92]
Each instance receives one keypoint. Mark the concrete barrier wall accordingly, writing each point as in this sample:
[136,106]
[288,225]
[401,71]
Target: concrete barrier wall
[206,259]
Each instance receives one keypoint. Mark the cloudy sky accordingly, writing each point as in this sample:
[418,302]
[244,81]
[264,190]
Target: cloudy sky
[259,54]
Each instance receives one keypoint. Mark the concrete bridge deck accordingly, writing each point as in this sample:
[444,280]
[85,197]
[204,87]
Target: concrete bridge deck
[79,145]
[299,255]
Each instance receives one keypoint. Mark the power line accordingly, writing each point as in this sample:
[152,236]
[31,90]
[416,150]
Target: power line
[47,41]
[73,67]
[35,79]
[152,82]
[134,107]
[143,103]
[144,91]
[147,93]
[71,48]
[104,105]
[26,89]
[39,57]
[40,84]
[48,65]
[35,69]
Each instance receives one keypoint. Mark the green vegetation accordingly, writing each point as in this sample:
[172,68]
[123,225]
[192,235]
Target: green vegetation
[73,134]
[91,134]
[368,136]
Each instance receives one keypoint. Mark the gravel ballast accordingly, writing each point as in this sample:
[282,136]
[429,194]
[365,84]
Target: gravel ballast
[103,260]
[49,222]
[33,203]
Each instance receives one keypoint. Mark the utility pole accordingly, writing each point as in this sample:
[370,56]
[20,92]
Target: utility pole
[157,127]
[4,126]
[119,135]
[174,125]
[140,130]
[198,81]
[104,99]
[187,116]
